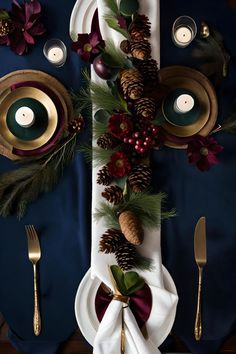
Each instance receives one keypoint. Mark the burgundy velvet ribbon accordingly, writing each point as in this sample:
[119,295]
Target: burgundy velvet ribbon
[140,304]
[61,118]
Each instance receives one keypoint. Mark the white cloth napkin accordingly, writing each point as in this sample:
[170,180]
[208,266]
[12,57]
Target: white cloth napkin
[107,340]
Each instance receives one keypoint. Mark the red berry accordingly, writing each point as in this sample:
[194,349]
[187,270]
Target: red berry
[126,140]
[139,142]
[141,150]
[155,130]
[148,139]
[144,133]
[136,135]
[131,141]
[136,147]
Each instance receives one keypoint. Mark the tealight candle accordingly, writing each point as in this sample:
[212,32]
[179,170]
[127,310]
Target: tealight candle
[25,117]
[184,31]
[184,104]
[55,52]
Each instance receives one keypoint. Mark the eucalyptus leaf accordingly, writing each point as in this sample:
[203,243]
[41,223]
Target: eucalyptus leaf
[133,282]
[121,182]
[118,276]
[128,63]
[128,8]
[102,116]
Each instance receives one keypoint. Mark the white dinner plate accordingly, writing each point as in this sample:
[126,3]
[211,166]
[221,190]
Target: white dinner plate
[81,17]
[87,319]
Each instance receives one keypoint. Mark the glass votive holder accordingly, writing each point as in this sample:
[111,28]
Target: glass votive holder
[184,31]
[55,51]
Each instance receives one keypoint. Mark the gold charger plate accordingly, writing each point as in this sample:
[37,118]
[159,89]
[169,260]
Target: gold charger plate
[45,100]
[205,92]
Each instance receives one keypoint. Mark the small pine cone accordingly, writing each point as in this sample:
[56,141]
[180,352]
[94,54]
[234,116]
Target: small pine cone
[126,256]
[125,46]
[132,83]
[131,227]
[140,178]
[113,194]
[149,70]
[111,240]
[103,176]
[76,125]
[145,108]
[106,141]
[140,28]
[6,27]
[140,49]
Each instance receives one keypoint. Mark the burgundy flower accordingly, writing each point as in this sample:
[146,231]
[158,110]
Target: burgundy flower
[119,164]
[25,19]
[88,45]
[120,125]
[202,151]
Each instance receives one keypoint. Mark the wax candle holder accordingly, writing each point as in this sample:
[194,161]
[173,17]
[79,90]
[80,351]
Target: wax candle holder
[55,51]
[184,31]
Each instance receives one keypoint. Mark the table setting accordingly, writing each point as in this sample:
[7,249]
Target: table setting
[117,141]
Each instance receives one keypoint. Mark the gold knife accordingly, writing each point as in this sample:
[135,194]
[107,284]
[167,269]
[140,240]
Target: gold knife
[200,253]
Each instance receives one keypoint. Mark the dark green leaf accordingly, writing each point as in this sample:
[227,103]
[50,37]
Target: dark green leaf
[128,63]
[118,276]
[129,7]
[112,6]
[121,182]
[102,116]
[113,23]
[133,282]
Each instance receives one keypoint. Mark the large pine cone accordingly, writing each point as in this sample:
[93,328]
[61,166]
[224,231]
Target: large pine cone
[140,49]
[103,176]
[6,27]
[132,83]
[111,240]
[113,194]
[140,28]
[106,141]
[145,108]
[140,178]
[126,256]
[131,227]
[149,70]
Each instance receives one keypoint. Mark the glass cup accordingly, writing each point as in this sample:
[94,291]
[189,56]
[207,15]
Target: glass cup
[184,31]
[55,51]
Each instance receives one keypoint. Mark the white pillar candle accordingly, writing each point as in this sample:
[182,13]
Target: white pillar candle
[55,55]
[183,35]
[25,117]
[184,103]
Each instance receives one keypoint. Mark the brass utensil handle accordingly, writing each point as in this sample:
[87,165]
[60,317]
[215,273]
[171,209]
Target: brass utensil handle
[198,320]
[37,317]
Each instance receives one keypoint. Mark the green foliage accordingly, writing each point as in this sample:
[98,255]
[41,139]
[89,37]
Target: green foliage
[229,126]
[128,8]
[112,56]
[23,185]
[112,6]
[4,15]
[127,283]
[113,23]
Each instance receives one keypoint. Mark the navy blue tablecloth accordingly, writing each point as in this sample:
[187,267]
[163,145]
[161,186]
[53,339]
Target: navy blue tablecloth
[61,217]
[194,194]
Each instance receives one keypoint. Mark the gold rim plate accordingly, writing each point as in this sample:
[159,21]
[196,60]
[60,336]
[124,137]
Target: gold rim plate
[45,100]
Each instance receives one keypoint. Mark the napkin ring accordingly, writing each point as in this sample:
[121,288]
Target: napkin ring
[121,298]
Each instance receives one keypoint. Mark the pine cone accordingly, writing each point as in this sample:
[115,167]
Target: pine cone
[103,176]
[145,108]
[126,256]
[140,49]
[76,125]
[106,141]
[140,178]
[6,27]
[111,240]
[132,83]
[131,227]
[113,194]
[125,46]
[140,28]
[149,70]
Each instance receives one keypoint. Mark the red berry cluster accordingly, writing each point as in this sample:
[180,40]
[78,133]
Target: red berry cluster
[143,141]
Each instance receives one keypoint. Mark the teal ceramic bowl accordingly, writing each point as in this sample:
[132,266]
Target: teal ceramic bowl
[40,123]
[178,118]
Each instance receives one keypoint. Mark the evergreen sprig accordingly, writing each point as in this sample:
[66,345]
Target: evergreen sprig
[23,185]
[112,6]
[114,24]
[117,57]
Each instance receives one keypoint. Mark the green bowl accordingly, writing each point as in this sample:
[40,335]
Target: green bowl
[40,123]
[178,118]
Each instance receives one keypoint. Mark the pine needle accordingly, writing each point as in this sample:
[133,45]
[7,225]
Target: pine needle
[118,57]
[99,128]
[109,213]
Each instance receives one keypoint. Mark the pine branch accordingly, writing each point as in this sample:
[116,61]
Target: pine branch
[99,128]
[113,23]
[22,186]
[109,213]
[112,6]
[115,56]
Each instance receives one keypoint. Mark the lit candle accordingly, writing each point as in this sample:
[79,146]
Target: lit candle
[55,55]
[183,36]
[184,103]
[25,117]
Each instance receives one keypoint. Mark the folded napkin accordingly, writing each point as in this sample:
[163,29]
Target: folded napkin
[107,340]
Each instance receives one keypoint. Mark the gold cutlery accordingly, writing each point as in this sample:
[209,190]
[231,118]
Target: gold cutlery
[34,253]
[200,252]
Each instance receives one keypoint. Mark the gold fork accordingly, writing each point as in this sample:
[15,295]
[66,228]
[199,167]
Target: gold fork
[34,253]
